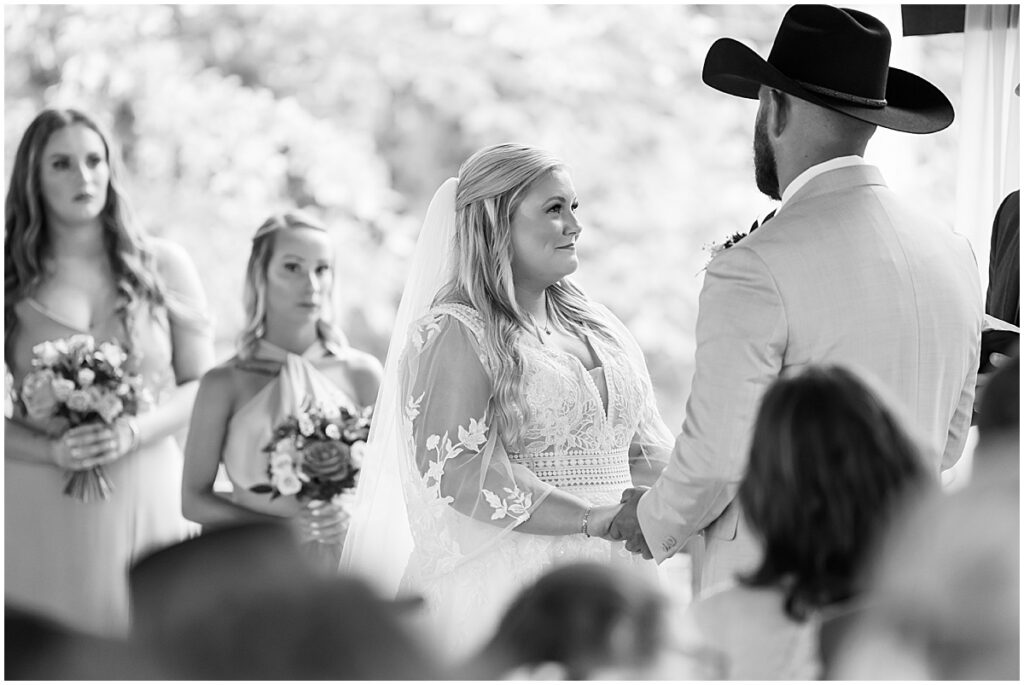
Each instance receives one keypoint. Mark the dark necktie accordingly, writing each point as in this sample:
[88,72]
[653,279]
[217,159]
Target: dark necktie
[756,225]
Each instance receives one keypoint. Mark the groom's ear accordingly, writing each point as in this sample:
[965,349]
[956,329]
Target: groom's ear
[779,112]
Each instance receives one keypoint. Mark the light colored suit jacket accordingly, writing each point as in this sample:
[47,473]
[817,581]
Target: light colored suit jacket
[845,273]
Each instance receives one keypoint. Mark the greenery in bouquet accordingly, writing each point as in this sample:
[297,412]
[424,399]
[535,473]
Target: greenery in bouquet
[76,381]
[316,454]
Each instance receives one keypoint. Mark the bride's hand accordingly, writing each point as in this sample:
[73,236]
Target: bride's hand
[600,520]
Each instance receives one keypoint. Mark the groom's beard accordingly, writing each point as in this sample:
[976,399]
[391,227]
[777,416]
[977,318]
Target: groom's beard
[766,172]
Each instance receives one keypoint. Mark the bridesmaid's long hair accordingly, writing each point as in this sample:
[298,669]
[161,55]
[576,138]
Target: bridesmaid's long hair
[492,183]
[27,240]
[254,294]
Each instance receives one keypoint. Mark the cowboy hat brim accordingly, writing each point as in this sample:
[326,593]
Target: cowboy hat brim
[913,105]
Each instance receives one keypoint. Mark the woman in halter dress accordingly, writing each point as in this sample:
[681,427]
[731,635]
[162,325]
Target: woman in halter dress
[74,265]
[288,352]
[523,410]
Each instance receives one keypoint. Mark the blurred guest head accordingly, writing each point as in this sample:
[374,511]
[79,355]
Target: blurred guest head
[581,620]
[829,465]
[37,648]
[65,179]
[242,603]
[944,596]
[289,279]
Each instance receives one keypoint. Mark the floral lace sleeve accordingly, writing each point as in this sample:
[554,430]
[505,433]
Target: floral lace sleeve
[458,454]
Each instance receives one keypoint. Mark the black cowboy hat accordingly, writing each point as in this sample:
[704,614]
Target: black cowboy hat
[835,58]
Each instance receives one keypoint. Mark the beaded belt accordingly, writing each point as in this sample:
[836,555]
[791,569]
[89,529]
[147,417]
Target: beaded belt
[579,471]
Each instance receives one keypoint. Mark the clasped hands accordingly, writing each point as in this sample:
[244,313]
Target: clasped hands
[92,444]
[619,522]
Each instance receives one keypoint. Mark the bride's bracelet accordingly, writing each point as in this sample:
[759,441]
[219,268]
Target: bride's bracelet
[133,428]
[586,519]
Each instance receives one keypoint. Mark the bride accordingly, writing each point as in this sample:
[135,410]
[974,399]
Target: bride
[514,410]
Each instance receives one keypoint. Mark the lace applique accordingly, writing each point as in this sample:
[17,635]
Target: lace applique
[412,407]
[516,505]
[422,332]
[519,509]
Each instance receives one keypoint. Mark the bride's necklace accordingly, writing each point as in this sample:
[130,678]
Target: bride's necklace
[546,328]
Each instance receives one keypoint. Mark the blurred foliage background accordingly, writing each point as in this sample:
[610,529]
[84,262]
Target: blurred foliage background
[226,113]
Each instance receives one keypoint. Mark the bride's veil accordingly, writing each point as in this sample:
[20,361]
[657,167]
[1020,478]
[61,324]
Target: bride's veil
[379,542]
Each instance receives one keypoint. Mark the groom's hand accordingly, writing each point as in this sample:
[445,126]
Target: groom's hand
[626,526]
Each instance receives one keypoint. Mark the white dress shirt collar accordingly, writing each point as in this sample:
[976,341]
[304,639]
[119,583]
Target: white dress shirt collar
[816,170]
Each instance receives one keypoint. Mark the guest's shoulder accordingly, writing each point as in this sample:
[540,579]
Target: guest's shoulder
[739,602]
[361,364]
[175,266]
[223,377]
[168,255]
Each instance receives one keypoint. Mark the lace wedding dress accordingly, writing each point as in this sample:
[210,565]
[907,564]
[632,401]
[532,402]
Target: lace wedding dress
[466,492]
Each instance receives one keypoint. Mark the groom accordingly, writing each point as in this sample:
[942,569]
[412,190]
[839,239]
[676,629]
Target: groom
[844,273]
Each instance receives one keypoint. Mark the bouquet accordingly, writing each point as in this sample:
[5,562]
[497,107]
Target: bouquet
[76,380]
[316,455]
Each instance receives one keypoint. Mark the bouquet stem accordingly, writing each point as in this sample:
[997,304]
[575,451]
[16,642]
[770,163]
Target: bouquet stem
[89,485]
[322,529]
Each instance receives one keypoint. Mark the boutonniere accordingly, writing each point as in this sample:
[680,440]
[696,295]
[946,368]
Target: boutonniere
[713,249]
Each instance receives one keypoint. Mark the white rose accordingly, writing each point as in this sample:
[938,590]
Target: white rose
[81,344]
[305,426]
[332,432]
[279,461]
[86,377]
[62,388]
[79,401]
[38,395]
[286,483]
[112,353]
[46,353]
[357,450]
[109,407]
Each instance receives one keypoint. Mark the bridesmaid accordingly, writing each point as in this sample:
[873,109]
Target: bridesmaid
[75,264]
[287,352]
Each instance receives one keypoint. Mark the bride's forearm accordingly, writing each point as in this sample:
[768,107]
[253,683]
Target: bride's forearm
[560,513]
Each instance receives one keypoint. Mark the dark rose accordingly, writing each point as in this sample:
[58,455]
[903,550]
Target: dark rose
[326,460]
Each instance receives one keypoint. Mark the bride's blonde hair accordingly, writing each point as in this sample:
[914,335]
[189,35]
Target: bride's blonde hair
[492,183]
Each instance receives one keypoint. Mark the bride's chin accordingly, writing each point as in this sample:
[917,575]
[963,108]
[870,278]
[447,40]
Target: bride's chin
[575,265]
